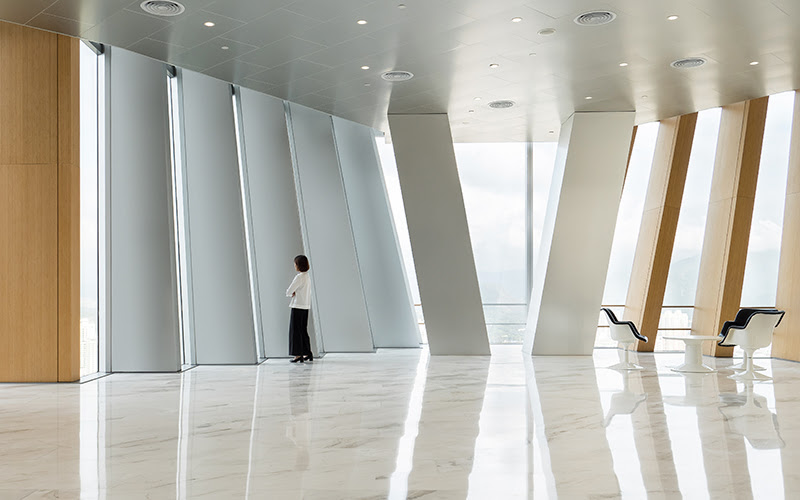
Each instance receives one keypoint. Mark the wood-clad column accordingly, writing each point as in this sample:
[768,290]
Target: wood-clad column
[39,206]
[786,343]
[659,221]
[730,212]
[69,210]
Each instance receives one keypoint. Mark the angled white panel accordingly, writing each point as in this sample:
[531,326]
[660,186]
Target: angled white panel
[341,312]
[391,310]
[277,236]
[440,242]
[144,333]
[223,314]
[579,228]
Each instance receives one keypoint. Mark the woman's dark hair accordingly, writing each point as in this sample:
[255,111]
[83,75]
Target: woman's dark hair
[301,261]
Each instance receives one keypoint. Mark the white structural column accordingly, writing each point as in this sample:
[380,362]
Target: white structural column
[440,242]
[578,231]
[391,310]
[338,302]
[223,314]
[142,282]
[277,238]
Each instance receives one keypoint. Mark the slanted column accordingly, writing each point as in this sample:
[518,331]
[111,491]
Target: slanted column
[730,212]
[440,242]
[578,231]
[659,221]
[786,342]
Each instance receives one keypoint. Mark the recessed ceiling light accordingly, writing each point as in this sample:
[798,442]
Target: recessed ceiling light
[368,85]
[494,65]
[546,31]
[753,63]
[672,18]
[477,99]
[623,64]
[551,132]
[532,54]
[401,6]
[224,47]
[516,19]
[644,97]
[465,123]
[361,21]
[471,110]
[588,97]
[364,67]
[209,24]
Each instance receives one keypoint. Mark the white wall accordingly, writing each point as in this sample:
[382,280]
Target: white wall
[277,238]
[391,310]
[223,314]
[340,308]
[143,297]
[570,274]
[440,242]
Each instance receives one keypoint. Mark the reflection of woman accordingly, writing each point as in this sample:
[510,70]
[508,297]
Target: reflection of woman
[300,292]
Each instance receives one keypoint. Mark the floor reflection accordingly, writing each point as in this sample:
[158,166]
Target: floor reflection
[400,424]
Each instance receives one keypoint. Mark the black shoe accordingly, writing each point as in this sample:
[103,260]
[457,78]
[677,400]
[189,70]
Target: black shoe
[296,360]
[310,357]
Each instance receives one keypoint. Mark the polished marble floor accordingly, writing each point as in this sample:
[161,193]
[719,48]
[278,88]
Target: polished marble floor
[399,424]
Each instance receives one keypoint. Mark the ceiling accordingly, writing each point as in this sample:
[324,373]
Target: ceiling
[311,52]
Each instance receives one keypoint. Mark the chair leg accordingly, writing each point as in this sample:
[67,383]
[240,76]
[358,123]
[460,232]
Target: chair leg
[743,366]
[749,373]
[625,363]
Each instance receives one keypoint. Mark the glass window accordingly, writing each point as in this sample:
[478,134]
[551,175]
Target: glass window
[392,181]
[629,221]
[88,210]
[763,251]
[493,181]
[684,269]
[760,285]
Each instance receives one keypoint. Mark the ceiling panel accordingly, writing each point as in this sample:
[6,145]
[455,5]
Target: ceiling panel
[22,12]
[271,28]
[312,51]
[57,24]
[125,28]
[246,10]
[191,31]
[88,12]
[212,53]
[277,53]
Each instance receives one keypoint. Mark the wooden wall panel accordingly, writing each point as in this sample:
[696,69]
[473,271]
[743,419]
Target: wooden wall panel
[69,210]
[28,96]
[659,221]
[29,270]
[39,206]
[730,212]
[786,343]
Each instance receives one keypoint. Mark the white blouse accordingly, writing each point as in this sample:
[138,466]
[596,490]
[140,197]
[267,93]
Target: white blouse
[301,288]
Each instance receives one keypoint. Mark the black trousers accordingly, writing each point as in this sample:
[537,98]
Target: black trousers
[299,343]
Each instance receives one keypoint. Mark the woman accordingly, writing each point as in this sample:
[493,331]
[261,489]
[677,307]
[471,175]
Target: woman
[300,292]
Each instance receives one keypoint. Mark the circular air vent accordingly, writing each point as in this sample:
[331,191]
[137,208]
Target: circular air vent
[595,18]
[546,31]
[397,76]
[502,104]
[688,62]
[166,8]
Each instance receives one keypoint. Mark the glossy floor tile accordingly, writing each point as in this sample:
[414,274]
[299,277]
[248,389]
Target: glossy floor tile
[399,424]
